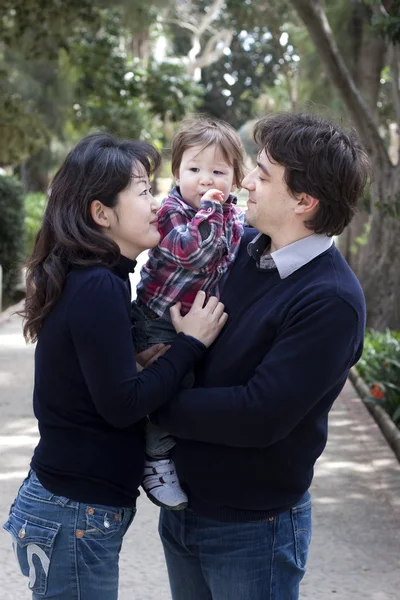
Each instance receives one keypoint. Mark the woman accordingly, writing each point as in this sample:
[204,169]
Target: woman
[73,509]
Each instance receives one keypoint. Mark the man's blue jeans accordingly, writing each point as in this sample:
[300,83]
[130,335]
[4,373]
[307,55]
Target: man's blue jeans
[215,560]
[68,550]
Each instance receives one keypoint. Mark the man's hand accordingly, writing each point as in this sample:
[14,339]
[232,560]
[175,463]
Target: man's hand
[147,357]
[215,195]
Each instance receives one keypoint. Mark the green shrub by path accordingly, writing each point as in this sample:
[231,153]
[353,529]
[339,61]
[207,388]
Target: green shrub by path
[12,233]
[34,209]
[380,369]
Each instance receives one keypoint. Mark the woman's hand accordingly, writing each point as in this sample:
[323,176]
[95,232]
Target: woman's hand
[147,357]
[203,321]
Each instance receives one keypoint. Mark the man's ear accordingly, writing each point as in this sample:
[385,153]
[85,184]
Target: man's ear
[99,214]
[305,204]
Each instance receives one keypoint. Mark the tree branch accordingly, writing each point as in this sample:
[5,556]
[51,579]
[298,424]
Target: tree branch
[211,53]
[210,16]
[314,18]
[180,23]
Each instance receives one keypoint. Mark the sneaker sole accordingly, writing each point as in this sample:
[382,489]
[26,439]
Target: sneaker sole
[181,506]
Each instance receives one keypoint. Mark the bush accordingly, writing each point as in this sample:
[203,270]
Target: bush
[34,209]
[12,232]
[380,368]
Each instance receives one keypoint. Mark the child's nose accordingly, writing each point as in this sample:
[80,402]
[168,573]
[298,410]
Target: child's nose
[206,179]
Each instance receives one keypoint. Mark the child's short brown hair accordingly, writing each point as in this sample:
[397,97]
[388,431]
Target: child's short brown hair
[201,130]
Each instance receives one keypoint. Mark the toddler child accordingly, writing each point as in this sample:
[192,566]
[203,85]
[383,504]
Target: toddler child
[200,229]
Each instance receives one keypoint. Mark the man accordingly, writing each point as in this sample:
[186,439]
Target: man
[249,433]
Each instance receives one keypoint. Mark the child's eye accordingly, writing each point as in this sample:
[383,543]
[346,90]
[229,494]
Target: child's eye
[218,173]
[194,169]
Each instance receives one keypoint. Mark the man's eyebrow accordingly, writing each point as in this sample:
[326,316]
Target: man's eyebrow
[263,169]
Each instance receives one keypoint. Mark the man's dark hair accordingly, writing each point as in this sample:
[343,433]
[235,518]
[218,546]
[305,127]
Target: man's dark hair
[320,160]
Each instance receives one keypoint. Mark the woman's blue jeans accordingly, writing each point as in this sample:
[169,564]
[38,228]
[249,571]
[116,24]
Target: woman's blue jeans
[68,550]
[213,560]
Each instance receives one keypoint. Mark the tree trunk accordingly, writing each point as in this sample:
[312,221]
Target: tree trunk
[377,264]
[35,172]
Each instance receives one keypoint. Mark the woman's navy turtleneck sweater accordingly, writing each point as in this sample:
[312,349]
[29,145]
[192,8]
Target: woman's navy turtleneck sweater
[88,397]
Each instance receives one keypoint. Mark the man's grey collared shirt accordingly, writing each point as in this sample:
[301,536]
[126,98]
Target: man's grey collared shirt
[290,258]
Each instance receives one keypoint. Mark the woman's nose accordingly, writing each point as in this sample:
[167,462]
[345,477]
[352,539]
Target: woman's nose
[154,205]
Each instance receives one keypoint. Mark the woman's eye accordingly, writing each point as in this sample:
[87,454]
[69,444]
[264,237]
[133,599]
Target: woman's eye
[144,193]
[261,179]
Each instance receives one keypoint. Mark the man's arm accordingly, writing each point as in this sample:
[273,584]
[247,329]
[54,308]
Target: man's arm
[191,244]
[310,356]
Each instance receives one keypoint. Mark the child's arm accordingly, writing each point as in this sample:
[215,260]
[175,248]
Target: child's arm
[192,244]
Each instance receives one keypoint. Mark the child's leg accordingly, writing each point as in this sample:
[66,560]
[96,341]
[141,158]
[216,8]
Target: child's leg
[148,328]
[160,481]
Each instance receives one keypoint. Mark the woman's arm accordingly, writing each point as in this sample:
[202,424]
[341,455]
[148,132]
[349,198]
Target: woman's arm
[99,322]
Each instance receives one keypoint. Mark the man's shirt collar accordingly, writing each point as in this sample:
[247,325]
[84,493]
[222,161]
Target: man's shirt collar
[290,258]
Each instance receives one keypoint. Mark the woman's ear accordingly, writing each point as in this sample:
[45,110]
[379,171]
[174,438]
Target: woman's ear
[99,214]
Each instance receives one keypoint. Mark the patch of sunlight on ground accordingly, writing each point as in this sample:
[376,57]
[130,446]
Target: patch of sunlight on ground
[13,475]
[326,467]
[13,340]
[15,441]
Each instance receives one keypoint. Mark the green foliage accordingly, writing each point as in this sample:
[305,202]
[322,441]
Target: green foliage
[386,19]
[235,81]
[380,365]
[12,232]
[171,91]
[35,205]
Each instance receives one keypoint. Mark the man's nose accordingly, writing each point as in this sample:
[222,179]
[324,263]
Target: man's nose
[248,182]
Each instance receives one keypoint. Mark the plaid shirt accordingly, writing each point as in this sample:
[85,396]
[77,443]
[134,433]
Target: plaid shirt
[196,250]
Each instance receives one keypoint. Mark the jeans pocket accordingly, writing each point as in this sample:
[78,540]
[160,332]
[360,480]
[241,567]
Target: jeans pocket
[301,522]
[33,542]
[103,521]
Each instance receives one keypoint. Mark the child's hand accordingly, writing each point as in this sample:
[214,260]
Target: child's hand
[215,195]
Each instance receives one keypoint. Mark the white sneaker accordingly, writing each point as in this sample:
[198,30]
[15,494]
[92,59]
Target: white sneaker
[161,485]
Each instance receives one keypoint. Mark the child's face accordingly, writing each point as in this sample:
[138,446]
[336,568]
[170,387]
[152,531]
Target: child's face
[202,169]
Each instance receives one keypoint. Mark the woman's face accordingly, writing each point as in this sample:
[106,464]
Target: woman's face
[133,221]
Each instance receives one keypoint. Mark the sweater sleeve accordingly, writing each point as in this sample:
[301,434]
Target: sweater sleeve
[310,356]
[191,243]
[100,327]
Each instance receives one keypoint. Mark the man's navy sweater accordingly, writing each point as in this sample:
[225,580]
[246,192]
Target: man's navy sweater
[250,432]
[89,399]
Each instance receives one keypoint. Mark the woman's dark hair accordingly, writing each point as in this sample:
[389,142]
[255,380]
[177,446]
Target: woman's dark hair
[98,168]
[319,160]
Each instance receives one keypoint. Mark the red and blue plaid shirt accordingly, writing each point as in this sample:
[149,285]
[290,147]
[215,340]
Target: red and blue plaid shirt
[196,250]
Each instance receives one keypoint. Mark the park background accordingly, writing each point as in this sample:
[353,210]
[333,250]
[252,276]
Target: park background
[71,67]
[137,68]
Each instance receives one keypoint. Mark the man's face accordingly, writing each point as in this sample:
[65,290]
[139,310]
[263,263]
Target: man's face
[270,205]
